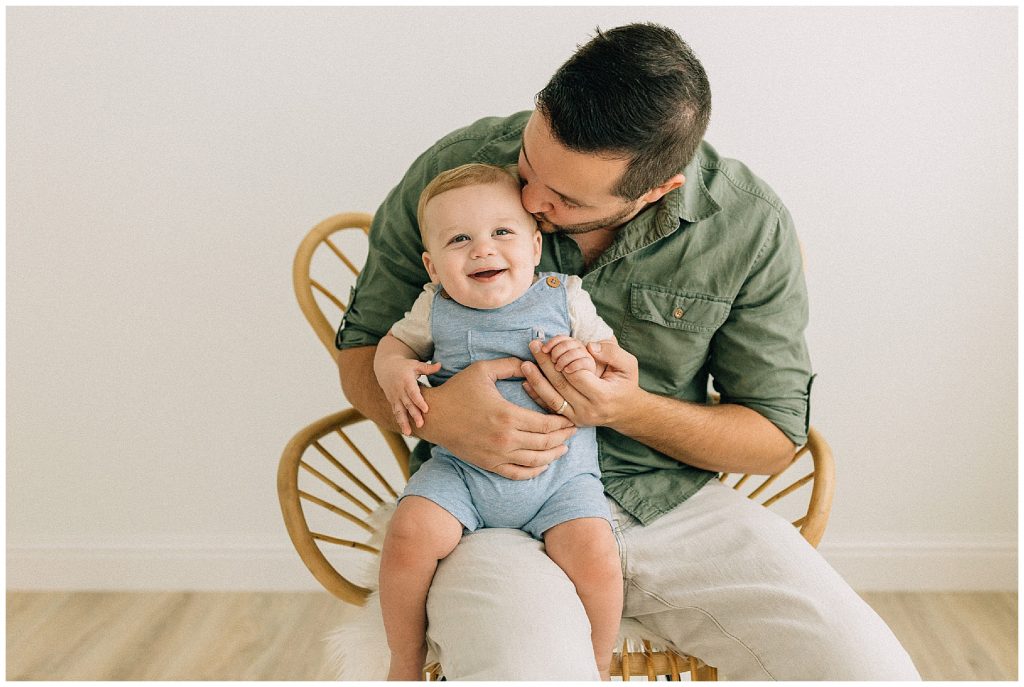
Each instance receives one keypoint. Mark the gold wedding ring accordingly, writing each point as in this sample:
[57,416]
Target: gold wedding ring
[565,404]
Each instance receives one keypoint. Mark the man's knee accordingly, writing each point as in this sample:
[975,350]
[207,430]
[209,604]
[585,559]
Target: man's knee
[858,645]
[500,609]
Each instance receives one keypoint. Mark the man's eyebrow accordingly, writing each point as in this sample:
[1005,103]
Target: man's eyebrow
[556,192]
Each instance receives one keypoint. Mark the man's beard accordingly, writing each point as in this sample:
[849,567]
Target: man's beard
[606,223]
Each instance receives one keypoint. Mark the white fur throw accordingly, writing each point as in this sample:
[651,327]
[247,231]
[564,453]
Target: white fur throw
[357,649]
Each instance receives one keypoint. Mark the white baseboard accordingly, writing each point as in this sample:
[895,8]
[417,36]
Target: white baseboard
[926,566]
[932,566]
[153,569]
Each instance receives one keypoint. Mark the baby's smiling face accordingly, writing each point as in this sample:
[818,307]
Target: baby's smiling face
[481,245]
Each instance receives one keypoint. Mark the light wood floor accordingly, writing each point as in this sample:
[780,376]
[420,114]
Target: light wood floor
[263,636]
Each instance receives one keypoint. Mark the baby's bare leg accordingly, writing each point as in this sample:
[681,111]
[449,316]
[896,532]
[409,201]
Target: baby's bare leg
[586,550]
[420,534]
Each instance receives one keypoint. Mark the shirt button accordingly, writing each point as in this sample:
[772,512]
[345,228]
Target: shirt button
[677,313]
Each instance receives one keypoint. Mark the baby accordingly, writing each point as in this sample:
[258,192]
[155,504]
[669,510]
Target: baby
[484,302]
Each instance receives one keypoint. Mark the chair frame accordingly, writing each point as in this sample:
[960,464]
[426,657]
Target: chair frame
[643,661]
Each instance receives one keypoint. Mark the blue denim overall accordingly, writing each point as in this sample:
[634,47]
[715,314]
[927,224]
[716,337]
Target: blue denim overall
[571,487]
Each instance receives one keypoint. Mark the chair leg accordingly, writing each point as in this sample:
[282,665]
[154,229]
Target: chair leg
[699,672]
[707,674]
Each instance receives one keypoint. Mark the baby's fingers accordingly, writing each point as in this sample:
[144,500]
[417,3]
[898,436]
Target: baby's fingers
[413,398]
[554,341]
[583,363]
[570,356]
[428,368]
[402,418]
[414,412]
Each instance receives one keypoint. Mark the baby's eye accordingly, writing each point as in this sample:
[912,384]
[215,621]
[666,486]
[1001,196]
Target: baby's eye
[502,231]
[459,238]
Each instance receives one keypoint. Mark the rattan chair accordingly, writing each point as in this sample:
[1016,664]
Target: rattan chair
[337,471]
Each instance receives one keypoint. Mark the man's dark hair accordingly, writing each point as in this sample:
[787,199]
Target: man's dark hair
[635,92]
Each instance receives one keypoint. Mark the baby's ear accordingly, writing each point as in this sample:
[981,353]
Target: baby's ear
[537,247]
[429,265]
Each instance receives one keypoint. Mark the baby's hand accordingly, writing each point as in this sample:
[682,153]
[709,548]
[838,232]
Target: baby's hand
[399,380]
[569,355]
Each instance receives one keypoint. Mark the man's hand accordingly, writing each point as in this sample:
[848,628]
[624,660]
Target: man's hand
[593,400]
[470,418]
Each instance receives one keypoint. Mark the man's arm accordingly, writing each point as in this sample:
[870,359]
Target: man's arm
[359,384]
[757,358]
[722,438]
[487,431]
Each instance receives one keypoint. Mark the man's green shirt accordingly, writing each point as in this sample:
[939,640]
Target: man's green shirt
[706,283]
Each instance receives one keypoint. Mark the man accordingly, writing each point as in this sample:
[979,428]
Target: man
[694,262]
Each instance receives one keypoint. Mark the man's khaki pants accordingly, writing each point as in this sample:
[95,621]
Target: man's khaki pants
[721,576]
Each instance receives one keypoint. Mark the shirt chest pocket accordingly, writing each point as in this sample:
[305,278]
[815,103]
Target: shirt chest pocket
[669,331]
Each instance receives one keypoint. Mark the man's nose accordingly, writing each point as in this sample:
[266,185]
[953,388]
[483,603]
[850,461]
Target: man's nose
[534,201]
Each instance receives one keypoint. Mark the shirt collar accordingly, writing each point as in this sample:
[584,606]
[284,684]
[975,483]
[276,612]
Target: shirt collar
[692,202]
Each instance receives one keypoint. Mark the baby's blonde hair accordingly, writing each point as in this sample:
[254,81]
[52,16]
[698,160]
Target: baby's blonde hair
[472,174]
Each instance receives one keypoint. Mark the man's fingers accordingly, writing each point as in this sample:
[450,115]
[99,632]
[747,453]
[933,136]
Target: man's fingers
[501,368]
[532,394]
[524,464]
[610,353]
[536,459]
[533,442]
[532,421]
[518,472]
[553,400]
[544,386]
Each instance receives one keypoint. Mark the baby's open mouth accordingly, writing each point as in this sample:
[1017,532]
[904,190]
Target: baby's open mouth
[486,275]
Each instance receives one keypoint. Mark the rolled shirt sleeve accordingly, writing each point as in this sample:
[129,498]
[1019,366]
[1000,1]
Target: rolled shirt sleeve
[393,275]
[759,356]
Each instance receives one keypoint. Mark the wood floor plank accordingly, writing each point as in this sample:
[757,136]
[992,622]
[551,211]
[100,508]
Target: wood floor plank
[279,636]
[86,639]
[954,636]
[30,612]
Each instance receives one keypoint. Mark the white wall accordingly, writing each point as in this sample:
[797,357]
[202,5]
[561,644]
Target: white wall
[164,163]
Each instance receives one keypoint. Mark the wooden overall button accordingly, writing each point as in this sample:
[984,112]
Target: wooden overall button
[553,282]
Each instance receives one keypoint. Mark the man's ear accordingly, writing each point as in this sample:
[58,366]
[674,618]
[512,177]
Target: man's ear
[655,194]
[429,264]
